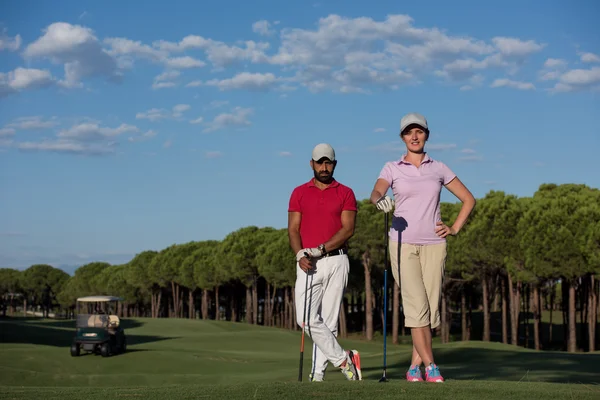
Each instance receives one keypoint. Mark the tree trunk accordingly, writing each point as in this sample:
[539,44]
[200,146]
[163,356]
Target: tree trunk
[366,261]
[592,315]
[343,329]
[552,300]
[191,308]
[514,310]
[572,322]
[486,309]
[463,312]
[395,312]
[233,305]
[175,299]
[249,304]
[268,305]
[204,304]
[272,305]
[536,316]
[565,312]
[444,317]
[526,308]
[503,295]
[293,320]
[217,304]
[497,294]
[255,301]
[286,305]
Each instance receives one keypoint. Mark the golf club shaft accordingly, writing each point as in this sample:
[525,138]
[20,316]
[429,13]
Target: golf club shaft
[385,311]
[303,325]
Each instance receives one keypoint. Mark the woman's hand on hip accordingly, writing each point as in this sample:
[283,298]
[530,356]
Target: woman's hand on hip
[443,230]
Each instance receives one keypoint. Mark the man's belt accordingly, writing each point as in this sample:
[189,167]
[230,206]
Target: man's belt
[337,252]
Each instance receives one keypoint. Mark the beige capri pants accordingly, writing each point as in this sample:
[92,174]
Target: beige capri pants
[420,277]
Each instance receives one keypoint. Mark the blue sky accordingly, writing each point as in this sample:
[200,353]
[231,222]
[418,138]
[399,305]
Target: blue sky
[125,128]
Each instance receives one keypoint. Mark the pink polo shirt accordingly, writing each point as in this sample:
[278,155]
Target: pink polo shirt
[321,210]
[417,196]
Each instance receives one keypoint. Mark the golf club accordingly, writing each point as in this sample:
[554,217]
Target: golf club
[385,262]
[303,324]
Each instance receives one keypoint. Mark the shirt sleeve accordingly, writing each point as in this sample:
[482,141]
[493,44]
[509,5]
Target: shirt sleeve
[386,174]
[294,205]
[350,201]
[446,174]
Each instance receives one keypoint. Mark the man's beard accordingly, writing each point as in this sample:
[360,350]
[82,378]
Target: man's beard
[323,177]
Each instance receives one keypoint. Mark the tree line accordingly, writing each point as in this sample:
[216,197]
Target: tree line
[517,262]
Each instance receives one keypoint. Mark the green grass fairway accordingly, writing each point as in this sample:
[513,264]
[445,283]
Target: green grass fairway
[183,359]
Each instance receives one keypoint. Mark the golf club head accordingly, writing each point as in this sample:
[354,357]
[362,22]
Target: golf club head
[383,379]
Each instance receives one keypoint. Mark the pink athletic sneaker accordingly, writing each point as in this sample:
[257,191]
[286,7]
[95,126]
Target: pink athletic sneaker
[414,374]
[432,374]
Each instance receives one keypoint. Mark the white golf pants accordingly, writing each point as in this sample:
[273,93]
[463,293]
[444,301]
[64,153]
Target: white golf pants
[326,285]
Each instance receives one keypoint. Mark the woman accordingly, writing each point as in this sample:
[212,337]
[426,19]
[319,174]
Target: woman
[418,236]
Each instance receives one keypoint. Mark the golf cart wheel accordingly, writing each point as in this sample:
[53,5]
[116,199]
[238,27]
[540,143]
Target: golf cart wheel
[74,350]
[105,350]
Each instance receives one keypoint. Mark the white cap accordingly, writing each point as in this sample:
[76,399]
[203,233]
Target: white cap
[323,150]
[413,118]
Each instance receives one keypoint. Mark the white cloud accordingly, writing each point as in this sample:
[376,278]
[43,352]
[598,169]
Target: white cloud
[4,132]
[218,53]
[246,81]
[471,157]
[213,154]
[341,54]
[9,43]
[94,132]
[21,79]
[67,146]
[146,136]
[577,80]
[285,154]
[165,80]
[441,146]
[198,120]
[33,122]
[554,63]
[78,49]
[515,47]
[238,117]
[184,62]
[512,84]
[377,130]
[589,58]
[262,27]
[86,138]
[179,109]
[468,151]
[155,114]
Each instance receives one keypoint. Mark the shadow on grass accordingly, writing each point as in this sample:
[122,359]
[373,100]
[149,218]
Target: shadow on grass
[60,333]
[67,323]
[467,363]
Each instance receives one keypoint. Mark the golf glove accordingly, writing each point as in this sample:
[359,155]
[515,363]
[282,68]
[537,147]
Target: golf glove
[385,204]
[312,252]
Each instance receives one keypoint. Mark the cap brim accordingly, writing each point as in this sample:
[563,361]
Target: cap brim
[414,125]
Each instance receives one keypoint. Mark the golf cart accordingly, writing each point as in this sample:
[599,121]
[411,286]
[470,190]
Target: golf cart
[97,327]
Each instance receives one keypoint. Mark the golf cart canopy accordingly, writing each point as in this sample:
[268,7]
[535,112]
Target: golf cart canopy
[93,299]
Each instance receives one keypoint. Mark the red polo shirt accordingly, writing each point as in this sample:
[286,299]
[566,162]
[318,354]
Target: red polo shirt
[321,210]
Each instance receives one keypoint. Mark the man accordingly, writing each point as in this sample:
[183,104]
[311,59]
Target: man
[321,218]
